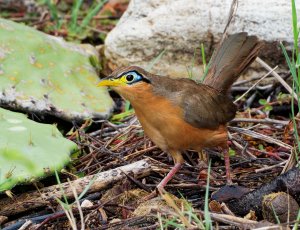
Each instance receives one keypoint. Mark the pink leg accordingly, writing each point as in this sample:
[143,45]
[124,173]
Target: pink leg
[227,166]
[170,175]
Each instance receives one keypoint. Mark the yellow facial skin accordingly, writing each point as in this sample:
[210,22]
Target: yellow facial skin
[113,82]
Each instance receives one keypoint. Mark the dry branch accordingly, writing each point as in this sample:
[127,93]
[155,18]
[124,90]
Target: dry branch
[260,136]
[278,77]
[288,182]
[263,121]
[45,196]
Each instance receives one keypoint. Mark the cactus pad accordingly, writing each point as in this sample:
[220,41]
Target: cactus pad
[29,150]
[44,74]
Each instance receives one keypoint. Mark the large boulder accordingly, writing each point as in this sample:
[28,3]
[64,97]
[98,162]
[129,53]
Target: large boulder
[179,27]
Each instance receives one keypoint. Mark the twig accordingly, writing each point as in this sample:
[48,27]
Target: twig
[234,220]
[270,167]
[250,100]
[31,200]
[267,74]
[244,88]
[78,206]
[233,8]
[239,146]
[260,136]
[226,210]
[26,225]
[291,162]
[241,82]
[264,121]
[267,153]
[278,77]
[137,153]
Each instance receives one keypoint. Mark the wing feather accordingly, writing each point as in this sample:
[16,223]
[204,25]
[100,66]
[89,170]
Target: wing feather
[202,105]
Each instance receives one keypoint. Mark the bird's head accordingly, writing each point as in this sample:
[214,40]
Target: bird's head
[129,82]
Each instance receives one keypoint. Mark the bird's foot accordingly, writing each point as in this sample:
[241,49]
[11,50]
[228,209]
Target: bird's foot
[169,176]
[160,187]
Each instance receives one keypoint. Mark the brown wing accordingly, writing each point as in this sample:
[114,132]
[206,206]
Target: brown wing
[206,108]
[202,105]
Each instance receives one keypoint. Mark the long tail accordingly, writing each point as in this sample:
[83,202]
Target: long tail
[230,59]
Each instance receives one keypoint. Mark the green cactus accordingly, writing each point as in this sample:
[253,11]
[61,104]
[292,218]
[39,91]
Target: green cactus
[44,74]
[29,150]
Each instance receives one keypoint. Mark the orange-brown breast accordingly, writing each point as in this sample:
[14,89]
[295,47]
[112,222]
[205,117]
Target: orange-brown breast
[163,122]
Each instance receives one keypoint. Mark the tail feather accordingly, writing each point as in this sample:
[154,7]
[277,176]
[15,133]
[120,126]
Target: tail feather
[230,59]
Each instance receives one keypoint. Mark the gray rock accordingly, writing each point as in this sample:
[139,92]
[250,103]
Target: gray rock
[179,27]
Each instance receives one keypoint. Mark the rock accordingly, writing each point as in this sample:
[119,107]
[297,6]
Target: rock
[86,204]
[280,206]
[179,27]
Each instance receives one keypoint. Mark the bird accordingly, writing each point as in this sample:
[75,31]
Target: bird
[180,114]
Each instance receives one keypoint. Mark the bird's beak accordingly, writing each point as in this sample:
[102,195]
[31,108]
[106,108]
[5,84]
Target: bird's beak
[111,82]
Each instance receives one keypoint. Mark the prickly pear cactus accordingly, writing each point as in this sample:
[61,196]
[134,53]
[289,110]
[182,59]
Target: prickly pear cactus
[29,150]
[44,74]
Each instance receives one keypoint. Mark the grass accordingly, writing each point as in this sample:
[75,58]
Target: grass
[155,60]
[54,14]
[68,207]
[208,223]
[75,27]
[293,64]
[191,67]
[295,227]
[183,217]
[275,215]
[205,65]
[203,56]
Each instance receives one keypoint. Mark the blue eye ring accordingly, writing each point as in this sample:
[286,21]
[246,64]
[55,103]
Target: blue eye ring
[132,77]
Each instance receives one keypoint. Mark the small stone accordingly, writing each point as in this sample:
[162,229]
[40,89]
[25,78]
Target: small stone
[86,204]
[279,205]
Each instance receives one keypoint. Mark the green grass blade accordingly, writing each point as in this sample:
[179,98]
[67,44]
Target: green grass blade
[172,222]
[203,57]
[275,214]
[155,60]
[208,223]
[206,71]
[293,65]
[91,14]
[86,189]
[61,187]
[190,68]
[127,106]
[74,14]
[296,134]
[295,27]
[290,65]
[296,38]
[121,116]
[54,13]
[297,221]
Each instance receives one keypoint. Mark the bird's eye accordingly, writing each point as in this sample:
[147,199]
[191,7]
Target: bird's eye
[129,77]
